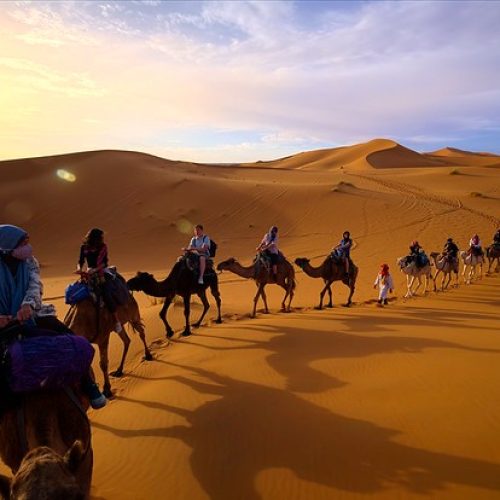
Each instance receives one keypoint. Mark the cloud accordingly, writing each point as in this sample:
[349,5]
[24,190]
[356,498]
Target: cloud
[295,77]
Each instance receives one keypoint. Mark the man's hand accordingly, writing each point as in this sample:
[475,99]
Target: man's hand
[5,320]
[25,313]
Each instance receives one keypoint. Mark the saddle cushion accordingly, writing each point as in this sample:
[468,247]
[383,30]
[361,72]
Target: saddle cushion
[76,292]
[47,362]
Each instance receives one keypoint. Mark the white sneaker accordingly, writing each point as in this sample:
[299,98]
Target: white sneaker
[200,281]
[118,327]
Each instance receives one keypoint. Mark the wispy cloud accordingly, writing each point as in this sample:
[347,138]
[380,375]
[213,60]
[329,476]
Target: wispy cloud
[138,72]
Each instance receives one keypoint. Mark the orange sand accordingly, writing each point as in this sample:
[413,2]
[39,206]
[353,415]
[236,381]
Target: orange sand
[397,402]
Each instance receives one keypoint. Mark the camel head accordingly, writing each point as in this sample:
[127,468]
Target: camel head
[226,264]
[137,283]
[402,262]
[45,474]
[301,262]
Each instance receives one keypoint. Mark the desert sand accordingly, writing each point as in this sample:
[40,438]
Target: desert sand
[399,402]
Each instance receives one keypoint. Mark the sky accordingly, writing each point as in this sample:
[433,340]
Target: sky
[242,81]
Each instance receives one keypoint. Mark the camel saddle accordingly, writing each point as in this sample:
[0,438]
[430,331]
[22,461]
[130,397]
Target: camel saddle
[192,262]
[34,359]
[263,261]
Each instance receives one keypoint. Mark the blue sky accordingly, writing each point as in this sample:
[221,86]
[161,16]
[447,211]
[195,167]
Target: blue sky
[246,81]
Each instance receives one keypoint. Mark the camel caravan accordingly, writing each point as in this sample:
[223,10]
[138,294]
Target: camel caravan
[46,380]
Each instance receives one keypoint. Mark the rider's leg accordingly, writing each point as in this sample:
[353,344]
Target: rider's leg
[111,306]
[203,264]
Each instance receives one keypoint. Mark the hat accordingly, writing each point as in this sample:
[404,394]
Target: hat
[10,237]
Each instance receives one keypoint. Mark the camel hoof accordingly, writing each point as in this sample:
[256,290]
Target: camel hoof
[330,306]
[218,321]
[347,305]
[195,325]
[186,333]
[318,308]
[116,374]
[148,357]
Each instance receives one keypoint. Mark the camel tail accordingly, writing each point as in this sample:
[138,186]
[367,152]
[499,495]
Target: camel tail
[137,325]
[290,280]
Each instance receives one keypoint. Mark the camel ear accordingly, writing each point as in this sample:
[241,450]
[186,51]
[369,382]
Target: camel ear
[5,487]
[74,456]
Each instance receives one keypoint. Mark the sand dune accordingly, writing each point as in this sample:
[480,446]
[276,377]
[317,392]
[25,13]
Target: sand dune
[394,402]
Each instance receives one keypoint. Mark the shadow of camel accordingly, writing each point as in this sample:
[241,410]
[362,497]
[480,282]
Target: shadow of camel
[293,350]
[249,428]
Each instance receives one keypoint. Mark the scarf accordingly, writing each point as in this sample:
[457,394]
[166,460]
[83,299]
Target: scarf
[13,288]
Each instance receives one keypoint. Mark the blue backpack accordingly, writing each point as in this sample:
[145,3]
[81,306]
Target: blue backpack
[76,292]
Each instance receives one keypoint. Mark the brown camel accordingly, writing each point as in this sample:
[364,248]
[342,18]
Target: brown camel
[493,254]
[443,265]
[46,442]
[262,275]
[82,319]
[330,270]
[183,282]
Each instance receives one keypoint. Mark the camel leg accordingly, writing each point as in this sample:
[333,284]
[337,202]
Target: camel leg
[351,293]
[264,299]
[163,316]
[321,296]
[287,292]
[187,311]
[103,363]
[214,289]
[409,283]
[255,300]
[330,295]
[448,275]
[126,343]
[290,298]
[139,328]
[442,281]
[466,279]
[206,307]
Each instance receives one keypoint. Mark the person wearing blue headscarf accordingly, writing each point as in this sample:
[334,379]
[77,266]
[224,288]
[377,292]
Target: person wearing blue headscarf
[21,294]
[20,286]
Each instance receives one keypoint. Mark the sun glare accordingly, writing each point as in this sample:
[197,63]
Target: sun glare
[65,175]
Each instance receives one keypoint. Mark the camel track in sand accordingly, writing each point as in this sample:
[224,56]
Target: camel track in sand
[425,198]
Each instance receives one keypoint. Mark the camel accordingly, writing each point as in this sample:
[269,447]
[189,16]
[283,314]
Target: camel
[471,261]
[83,320]
[46,442]
[330,271]
[493,254]
[183,282]
[446,267]
[261,275]
[413,272]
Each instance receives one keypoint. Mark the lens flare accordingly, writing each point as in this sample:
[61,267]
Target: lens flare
[65,175]
[184,226]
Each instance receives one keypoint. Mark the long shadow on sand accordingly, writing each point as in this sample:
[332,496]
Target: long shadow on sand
[293,350]
[250,428]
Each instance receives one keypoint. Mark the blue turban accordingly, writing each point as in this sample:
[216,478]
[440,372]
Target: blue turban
[10,236]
